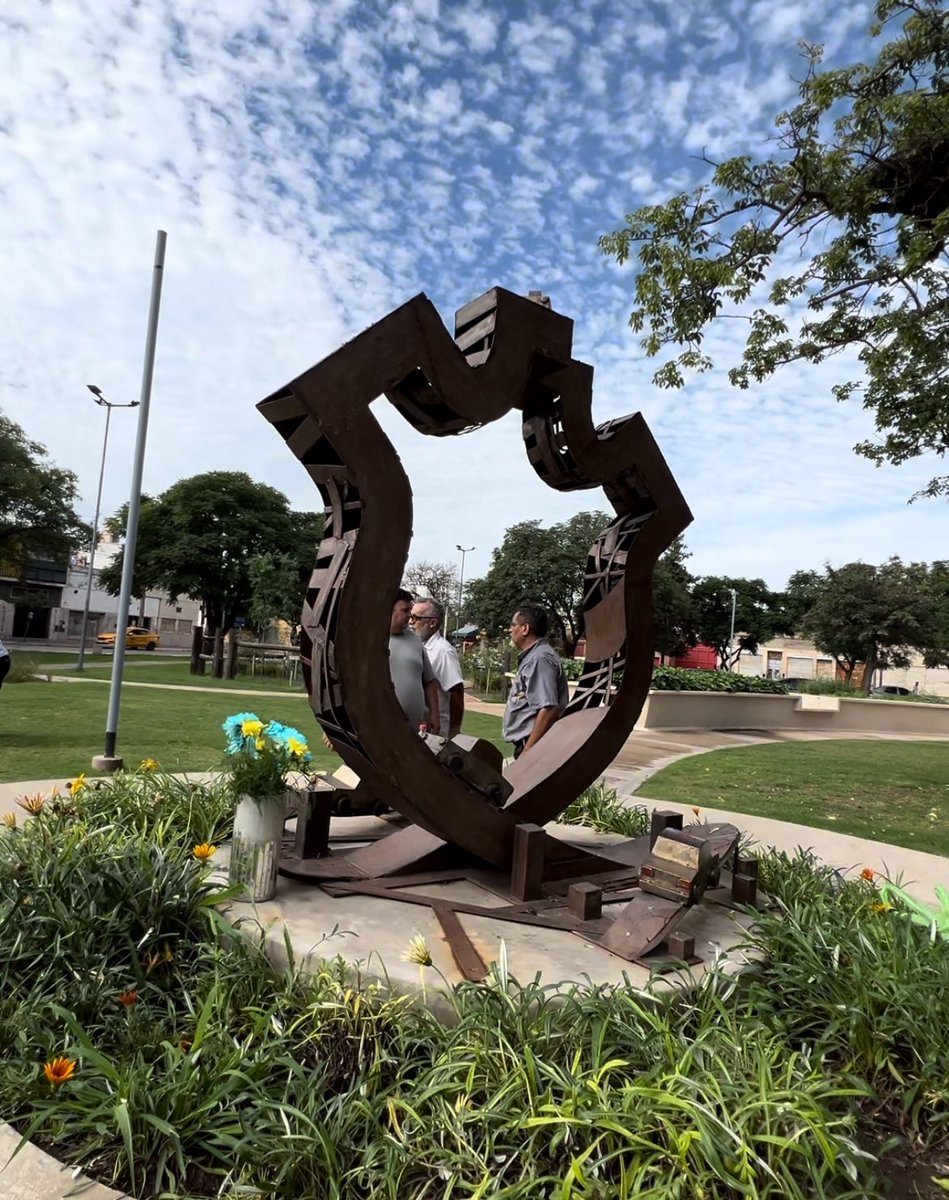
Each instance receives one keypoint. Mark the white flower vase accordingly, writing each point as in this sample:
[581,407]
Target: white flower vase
[255,847]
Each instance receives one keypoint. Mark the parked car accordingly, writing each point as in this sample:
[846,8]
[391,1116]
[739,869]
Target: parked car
[889,689]
[136,638]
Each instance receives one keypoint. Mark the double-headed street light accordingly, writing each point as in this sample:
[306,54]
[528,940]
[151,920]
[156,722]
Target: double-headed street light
[108,405]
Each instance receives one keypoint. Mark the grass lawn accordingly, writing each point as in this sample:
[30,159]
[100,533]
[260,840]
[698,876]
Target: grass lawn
[176,670]
[895,792]
[50,730]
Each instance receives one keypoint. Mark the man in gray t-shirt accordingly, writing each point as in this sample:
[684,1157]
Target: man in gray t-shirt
[412,676]
[539,693]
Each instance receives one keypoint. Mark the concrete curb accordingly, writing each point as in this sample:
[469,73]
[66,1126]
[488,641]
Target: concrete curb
[35,1175]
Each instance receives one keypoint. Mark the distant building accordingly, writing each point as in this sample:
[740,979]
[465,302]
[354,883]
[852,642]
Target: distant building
[47,604]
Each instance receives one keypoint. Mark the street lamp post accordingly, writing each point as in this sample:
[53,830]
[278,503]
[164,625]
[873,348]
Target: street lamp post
[110,761]
[461,582]
[108,406]
[731,632]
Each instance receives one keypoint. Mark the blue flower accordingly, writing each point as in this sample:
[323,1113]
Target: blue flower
[232,728]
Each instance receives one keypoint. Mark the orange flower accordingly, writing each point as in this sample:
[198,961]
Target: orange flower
[868,874]
[58,1070]
[696,809]
[129,997]
[32,804]
[203,851]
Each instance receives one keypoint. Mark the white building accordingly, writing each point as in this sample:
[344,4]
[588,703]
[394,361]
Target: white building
[54,613]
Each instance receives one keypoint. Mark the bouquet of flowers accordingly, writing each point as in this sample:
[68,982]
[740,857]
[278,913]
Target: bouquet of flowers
[260,756]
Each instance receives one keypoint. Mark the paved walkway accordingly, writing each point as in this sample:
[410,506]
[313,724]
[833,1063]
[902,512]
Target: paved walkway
[181,687]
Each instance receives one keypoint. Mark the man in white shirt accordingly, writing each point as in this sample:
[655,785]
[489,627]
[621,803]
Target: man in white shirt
[427,617]
[4,662]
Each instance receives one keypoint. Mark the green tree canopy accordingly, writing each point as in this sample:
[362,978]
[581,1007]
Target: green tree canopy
[672,603]
[198,539]
[836,241]
[37,517]
[712,614]
[545,566]
[278,583]
[860,613]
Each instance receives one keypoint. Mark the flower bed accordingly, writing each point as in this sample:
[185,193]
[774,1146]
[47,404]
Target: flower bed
[148,1041]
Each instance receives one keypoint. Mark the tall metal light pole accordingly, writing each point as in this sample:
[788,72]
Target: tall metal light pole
[110,761]
[731,633]
[108,406]
[461,582]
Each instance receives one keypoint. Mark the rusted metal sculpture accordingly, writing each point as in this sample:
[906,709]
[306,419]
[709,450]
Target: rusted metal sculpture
[507,353]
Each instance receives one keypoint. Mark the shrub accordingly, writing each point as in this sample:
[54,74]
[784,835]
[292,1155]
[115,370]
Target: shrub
[600,808]
[682,679]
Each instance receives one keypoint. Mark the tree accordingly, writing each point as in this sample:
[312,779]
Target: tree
[277,585]
[934,645]
[856,198]
[440,580]
[37,517]
[674,631]
[545,566]
[199,538]
[712,613]
[873,615]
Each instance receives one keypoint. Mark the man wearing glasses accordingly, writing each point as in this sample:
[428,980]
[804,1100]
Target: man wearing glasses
[539,694]
[426,619]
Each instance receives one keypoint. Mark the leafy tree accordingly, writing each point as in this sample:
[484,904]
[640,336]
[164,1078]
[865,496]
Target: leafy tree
[672,603]
[37,517]
[545,566]
[440,580]
[199,538]
[874,615]
[278,582]
[855,200]
[712,614]
[934,645]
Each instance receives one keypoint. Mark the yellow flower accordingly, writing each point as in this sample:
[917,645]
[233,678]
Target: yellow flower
[881,907]
[203,851]
[418,952]
[9,819]
[252,728]
[261,744]
[32,804]
[296,747]
[76,785]
[149,764]
[58,1070]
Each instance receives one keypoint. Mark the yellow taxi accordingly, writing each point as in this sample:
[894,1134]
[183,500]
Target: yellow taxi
[136,638]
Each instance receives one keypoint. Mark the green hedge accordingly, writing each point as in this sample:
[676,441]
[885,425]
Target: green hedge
[680,679]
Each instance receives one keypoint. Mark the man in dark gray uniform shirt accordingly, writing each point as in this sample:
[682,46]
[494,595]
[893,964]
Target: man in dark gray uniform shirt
[539,694]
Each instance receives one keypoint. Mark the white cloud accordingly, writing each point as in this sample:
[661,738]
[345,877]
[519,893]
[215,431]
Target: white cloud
[318,162]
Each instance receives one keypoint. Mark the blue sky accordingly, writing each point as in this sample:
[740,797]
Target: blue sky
[317,163]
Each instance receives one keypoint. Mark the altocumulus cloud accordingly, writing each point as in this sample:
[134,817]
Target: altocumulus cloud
[316,163]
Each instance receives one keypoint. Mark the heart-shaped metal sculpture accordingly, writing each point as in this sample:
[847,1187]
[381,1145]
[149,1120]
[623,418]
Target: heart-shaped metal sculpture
[508,352]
